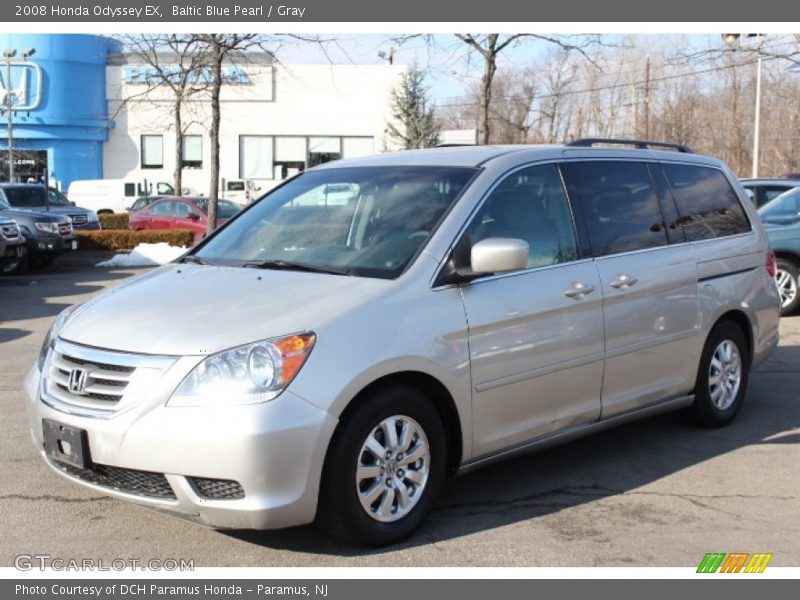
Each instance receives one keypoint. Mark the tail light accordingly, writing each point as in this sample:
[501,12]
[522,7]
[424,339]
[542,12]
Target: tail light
[772,264]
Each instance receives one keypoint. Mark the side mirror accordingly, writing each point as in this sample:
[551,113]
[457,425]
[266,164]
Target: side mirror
[72,203]
[193,217]
[499,255]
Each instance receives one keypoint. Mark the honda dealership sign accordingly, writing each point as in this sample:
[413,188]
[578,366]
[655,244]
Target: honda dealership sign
[25,86]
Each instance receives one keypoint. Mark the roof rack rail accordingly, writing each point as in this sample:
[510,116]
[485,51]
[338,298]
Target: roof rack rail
[639,144]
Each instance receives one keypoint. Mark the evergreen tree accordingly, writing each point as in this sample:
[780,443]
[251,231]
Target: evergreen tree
[414,124]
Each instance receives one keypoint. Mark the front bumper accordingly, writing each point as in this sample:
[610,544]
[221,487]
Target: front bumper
[274,450]
[13,252]
[51,245]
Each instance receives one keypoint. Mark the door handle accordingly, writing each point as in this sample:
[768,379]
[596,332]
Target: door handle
[578,290]
[623,281]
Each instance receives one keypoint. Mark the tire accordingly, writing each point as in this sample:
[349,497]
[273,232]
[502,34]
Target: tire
[788,286]
[16,267]
[716,404]
[349,508]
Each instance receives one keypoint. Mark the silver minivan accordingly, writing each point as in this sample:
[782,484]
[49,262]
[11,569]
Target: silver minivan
[334,357]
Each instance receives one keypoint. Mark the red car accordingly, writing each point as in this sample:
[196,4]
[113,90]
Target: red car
[181,213]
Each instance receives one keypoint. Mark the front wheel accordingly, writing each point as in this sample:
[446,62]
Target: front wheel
[385,468]
[786,280]
[722,377]
[15,267]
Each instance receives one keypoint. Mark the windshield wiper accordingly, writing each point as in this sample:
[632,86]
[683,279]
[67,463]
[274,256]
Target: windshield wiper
[293,266]
[191,258]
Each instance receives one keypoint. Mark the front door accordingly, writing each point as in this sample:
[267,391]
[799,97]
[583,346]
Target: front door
[536,335]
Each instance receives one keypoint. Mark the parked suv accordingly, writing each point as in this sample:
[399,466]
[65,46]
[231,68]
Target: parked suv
[337,361]
[46,234]
[12,246]
[37,197]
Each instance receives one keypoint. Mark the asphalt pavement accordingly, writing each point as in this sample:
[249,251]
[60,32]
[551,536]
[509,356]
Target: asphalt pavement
[656,492]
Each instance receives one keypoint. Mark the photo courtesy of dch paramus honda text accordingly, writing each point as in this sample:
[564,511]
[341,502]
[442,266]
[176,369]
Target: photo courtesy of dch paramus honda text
[372,326]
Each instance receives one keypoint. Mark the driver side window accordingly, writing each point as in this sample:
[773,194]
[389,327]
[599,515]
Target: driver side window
[530,205]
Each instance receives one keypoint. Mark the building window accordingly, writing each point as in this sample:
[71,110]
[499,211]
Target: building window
[290,156]
[255,157]
[323,149]
[152,152]
[353,147]
[192,152]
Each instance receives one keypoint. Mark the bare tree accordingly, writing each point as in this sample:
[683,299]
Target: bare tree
[489,47]
[174,62]
[216,48]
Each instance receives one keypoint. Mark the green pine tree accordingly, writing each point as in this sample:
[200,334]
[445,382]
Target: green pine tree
[414,125]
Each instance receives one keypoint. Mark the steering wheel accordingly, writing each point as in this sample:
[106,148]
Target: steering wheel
[420,233]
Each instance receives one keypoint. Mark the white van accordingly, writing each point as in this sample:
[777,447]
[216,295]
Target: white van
[113,195]
[240,191]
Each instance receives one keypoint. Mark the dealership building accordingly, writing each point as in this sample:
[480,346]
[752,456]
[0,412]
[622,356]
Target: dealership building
[83,109]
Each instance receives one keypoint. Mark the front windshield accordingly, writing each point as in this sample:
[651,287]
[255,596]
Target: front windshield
[782,209]
[25,197]
[367,221]
[56,198]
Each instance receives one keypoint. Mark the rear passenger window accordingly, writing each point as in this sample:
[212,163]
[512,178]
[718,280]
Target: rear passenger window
[620,206]
[708,206]
[530,205]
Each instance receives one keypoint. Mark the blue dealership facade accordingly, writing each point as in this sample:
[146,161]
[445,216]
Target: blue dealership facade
[61,109]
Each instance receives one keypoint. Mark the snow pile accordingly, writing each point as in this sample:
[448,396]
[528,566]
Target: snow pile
[145,255]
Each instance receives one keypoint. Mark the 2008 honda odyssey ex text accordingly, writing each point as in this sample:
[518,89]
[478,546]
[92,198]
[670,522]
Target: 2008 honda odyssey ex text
[342,345]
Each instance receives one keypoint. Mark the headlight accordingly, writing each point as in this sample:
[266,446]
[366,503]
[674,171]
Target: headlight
[47,227]
[91,217]
[55,329]
[252,373]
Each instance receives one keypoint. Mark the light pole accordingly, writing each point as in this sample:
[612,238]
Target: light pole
[9,101]
[387,56]
[733,40]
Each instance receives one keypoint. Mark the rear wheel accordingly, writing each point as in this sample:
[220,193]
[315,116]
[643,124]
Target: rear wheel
[722,377]
[786,280]
[385,469]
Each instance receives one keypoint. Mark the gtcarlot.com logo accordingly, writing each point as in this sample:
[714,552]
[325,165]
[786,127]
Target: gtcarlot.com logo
[29,562]
[735,562]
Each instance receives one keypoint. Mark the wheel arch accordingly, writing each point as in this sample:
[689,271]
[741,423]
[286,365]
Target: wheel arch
[740,319]
[433,389]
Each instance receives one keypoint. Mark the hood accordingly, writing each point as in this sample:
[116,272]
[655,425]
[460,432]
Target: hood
[64,210]
[194,309]
[39,215]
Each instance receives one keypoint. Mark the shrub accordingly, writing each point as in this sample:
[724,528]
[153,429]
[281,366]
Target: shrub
[114,221]
[125,239]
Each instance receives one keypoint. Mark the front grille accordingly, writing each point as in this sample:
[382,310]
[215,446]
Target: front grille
[10,231]
[78,219]
[65,229]
[129,481]
[98,382]
[217,489]
[104,383]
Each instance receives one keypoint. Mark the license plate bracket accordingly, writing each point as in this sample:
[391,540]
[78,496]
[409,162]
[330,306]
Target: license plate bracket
[66,444]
